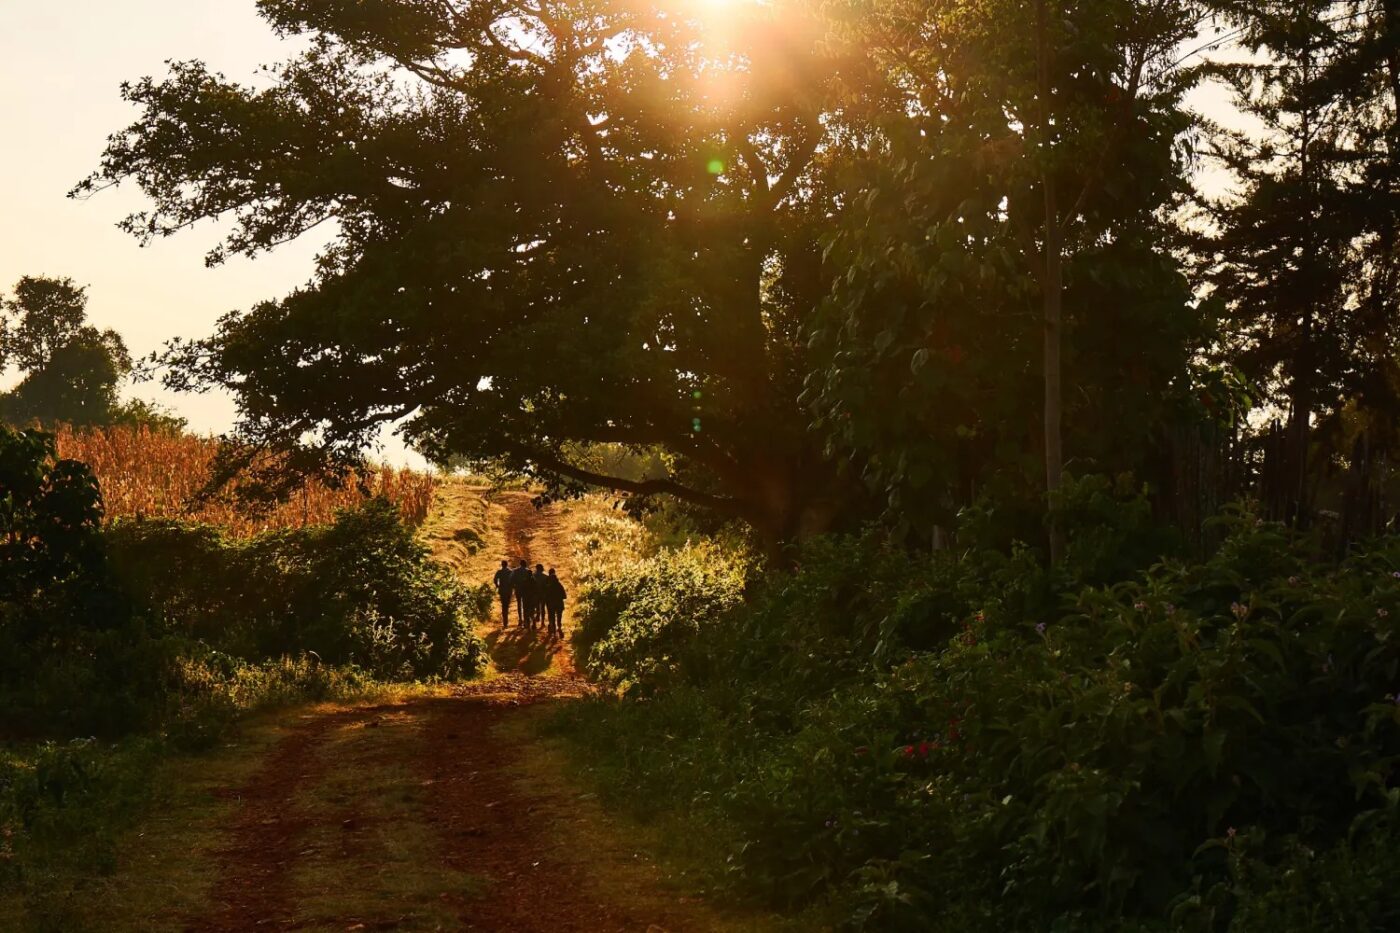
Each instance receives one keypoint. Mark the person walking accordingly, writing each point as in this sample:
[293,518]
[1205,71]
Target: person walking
[541,591]
[554,603]
[521,582]
[502,583]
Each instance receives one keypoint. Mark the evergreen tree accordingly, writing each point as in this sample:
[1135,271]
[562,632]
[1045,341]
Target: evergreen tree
[1301,256]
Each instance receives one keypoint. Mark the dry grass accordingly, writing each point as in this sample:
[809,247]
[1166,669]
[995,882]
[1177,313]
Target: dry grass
[156,474]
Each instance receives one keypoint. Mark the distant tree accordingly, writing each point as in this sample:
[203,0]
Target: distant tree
[556,225]
[1304,255]
[141,413]
[70,369]
[44,314]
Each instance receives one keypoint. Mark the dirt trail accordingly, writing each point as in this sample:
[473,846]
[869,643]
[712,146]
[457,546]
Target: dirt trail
[467,758]
[263,845]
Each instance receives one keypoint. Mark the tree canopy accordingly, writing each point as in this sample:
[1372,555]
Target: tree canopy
[941,232]
[555,224]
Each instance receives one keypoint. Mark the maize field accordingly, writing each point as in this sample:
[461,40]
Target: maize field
[156,474]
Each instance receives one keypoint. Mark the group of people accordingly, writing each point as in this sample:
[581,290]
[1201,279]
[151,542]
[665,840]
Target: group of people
[538,596]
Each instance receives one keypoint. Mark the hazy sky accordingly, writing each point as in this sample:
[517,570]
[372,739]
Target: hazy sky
[61,66]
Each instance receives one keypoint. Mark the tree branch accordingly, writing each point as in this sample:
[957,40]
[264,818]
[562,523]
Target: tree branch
[553,463]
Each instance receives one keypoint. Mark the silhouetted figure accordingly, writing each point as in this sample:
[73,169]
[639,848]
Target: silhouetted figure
[554,603]
[503,589]
[539,589]
[521,583]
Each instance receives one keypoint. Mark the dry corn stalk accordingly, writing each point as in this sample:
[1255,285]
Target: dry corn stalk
[156,474]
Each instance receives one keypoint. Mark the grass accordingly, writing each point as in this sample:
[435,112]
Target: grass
[457,525]
[138,851]
[666,860]
[162,868]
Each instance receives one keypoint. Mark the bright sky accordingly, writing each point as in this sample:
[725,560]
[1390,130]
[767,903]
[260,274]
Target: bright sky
[61,65]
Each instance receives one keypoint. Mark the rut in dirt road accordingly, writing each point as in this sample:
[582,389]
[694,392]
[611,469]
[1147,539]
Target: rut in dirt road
[263,839]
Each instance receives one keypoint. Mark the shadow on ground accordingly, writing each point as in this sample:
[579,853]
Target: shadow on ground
[517,649]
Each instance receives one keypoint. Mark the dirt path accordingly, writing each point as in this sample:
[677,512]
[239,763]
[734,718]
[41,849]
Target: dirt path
[429,813]
[263,839]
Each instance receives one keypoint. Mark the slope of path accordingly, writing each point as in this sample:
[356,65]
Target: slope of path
[531,867]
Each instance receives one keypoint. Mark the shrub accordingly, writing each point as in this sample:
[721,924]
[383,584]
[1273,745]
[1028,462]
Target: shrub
[636,626]
[99,626]
[966,742]
[49,510]
[66,804]
[358,591]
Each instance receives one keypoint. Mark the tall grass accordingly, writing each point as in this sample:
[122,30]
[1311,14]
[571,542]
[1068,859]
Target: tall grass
[154,473]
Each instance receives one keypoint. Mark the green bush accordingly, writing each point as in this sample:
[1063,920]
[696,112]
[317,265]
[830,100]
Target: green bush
[49,510]
[63,807]
[359,591]
[635,627]
[99,628]
[963,741]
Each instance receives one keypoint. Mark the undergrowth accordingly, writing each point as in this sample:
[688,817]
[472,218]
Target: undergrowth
[147,639]
[965,741]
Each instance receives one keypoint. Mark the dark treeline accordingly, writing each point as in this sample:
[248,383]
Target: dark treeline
[69,371]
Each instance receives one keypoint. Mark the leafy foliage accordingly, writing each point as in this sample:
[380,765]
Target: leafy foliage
[49,510]
[968,743]
[551,235]
[100,630]
[636,625]
[358,591]
[930,341]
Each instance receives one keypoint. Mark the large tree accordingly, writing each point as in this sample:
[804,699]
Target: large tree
[554,224]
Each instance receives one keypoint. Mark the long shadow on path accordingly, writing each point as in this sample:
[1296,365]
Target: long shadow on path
[517,649]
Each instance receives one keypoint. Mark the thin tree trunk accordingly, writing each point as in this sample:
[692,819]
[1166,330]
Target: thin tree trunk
[1052,287]
[1305,362]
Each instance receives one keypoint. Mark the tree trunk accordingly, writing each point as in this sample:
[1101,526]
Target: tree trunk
[1304,363]
[1052,288]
